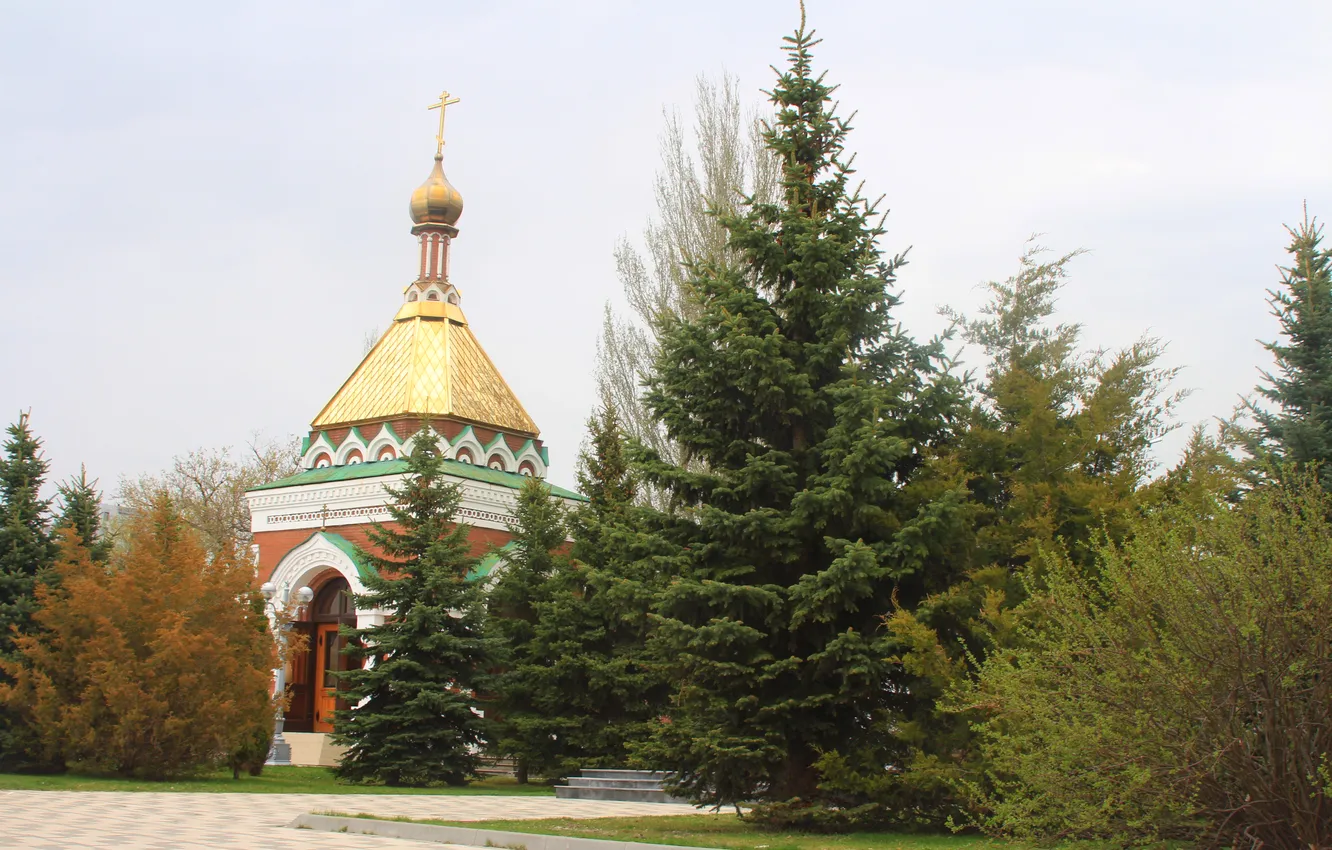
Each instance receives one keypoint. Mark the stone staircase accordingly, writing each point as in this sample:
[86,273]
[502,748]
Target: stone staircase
[629,786]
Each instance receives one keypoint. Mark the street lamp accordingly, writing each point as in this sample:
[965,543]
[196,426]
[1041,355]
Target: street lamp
[280,753]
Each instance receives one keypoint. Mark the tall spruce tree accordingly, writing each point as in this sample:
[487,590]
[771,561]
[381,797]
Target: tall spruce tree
[81,513]
[810,511]
[416,717]
[1298,430]
[27,550]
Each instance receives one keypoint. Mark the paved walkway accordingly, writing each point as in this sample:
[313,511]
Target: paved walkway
[55,820]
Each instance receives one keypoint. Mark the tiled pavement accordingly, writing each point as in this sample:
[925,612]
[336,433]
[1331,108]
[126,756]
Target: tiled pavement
[55,820]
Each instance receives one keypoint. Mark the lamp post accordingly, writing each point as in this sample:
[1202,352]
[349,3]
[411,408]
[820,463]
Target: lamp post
[280,753]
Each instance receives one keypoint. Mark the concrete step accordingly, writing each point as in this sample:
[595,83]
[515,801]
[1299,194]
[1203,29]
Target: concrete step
[624,795]
[585,782]
[607,773]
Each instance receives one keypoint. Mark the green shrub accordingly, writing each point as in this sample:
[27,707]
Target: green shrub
[1185,690]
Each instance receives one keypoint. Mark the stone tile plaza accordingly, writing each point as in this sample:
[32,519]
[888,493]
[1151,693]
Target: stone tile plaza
[54,820]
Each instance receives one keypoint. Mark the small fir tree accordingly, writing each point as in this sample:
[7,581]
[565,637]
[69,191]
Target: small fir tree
[578,688]
[27,550]
[1298,430]
[81,512]
[531,696]
[416,719]
[810,418]
[615,580]
[157,666]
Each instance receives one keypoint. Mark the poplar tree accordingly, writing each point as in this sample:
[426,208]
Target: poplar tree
[1298,428]
[811,418]
[81,512]
[416,718]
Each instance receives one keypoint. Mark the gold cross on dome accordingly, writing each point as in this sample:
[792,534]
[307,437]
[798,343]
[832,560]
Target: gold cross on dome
[445,101]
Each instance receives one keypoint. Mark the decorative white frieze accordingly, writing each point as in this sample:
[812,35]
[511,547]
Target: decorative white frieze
[334,503]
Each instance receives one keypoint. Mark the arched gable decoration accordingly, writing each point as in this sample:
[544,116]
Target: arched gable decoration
[317,554]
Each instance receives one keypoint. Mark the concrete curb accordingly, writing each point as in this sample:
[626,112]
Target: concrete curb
[467,836]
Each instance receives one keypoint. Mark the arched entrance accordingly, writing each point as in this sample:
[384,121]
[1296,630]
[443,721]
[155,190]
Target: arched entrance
[315,687]
[332,609]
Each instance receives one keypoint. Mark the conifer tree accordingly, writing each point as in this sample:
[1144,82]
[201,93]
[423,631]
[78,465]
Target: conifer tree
[26,547]
[416,718]
[578,688]
[157,666]
[615,585]
[812,419]
[81,512]
[1299,430]
[533,696]
[1055,453]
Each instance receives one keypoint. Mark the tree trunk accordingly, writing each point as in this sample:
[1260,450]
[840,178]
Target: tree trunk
[797,777]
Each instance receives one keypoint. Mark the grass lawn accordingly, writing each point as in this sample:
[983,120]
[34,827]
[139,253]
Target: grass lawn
[275,780]
[727,832]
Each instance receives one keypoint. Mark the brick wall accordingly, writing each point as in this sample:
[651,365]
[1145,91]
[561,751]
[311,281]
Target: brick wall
[273,545]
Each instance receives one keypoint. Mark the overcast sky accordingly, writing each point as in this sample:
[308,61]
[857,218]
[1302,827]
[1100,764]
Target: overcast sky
[205,205]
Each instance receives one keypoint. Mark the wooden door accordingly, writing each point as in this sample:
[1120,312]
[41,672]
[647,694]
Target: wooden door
[328,661]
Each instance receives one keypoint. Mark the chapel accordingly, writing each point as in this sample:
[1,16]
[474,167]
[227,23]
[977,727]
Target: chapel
[428,365]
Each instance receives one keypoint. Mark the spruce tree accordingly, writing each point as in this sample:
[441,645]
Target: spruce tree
[416,719]
[27,554]
[578,688]
[81,513]
[1299,430]
[27,550]
[614,583]
[534,696]
[811,419]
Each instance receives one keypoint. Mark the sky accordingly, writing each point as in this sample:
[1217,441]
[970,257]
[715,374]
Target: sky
[203,207]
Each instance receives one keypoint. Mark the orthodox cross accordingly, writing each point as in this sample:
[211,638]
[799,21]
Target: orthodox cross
[323,517]
[444,102]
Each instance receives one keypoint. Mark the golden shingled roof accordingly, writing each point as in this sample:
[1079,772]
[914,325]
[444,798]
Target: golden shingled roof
[427,363]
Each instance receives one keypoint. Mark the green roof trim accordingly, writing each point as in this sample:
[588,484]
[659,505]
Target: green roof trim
[499,438]
[393,435]
[363,569]
[489,561]
[545,455]
[305,444]
[397,466]
[355,431]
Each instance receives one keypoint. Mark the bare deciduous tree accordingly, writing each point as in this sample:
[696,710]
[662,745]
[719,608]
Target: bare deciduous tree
[713,170]
[208,488]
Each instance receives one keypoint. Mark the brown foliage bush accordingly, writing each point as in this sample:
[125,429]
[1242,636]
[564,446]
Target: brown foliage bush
[154,665]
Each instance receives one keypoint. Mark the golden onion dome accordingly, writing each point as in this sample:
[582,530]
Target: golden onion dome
[436,201]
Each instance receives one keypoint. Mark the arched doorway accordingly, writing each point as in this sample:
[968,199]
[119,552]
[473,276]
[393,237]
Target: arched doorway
[332,608]
[314,686]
